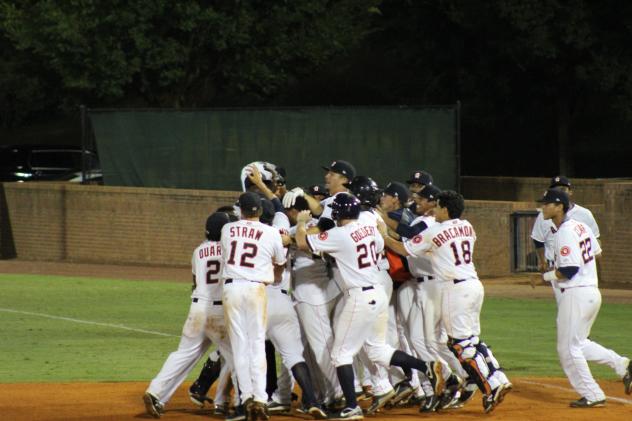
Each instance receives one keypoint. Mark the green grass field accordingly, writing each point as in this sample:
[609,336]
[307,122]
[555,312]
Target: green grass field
[40,343]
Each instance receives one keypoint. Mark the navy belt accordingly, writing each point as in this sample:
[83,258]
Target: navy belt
[195,300]
[228,281]
[284,291]
[367,288]
[425,278]
[458,281]
[578,286]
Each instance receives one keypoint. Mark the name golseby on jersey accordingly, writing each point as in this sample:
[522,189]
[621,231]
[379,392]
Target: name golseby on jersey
[245,232]
[452,233]
[210,251]
[363,232]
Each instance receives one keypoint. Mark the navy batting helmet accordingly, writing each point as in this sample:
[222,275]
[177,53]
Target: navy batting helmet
[365,189]
[214,224]
[345,206]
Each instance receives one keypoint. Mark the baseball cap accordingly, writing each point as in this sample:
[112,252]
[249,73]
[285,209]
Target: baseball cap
[560,180]
[214,224]
[429,192]
[421,177]
[555,196]
[398,190]
[250,201]
[318,189]
[342,167]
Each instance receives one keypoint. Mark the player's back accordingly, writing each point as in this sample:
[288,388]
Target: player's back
[576,245]
[206,264]
[249,249]
[452,249]
[355,246]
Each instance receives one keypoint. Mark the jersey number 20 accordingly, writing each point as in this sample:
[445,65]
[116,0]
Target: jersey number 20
[364,251]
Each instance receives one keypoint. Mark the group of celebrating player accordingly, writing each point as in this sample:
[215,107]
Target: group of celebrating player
[365,293]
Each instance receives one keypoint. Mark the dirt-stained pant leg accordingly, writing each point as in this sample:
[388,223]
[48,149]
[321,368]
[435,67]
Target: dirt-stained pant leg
[245,310]
[193,345]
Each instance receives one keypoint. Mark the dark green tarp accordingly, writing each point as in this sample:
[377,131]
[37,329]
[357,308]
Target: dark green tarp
[206,149]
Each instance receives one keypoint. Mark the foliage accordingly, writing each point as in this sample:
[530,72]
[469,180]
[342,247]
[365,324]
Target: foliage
[165,53]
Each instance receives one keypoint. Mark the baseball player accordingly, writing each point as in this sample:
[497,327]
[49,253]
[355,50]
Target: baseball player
[253,258]
[205,322]
[315,298]
[575,273]
[363,317]
[392,209]
[543,230]
[368,192]
[450,246]
[543,235]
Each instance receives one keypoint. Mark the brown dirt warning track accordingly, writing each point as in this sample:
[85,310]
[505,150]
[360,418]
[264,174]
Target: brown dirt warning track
[533,399]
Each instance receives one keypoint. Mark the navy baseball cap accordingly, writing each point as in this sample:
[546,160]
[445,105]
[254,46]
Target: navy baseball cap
[555,196]
[429,192]
[421,177]
[398,190]
[560,180]
[342,167]
[250,201]
[319,189]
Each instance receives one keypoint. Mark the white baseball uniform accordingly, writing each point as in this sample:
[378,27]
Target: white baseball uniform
[430,342]
[544,232]
[205,323]
[363,316]
[315,296]
[250,249]
[580,300]
[283,327]
[450,246]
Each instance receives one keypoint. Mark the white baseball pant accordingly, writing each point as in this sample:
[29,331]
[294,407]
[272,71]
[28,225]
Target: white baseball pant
[245,310]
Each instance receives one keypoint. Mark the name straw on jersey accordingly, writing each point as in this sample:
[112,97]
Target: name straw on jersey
[249,247]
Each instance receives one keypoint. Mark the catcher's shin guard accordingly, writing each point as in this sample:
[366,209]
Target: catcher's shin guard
[472,361]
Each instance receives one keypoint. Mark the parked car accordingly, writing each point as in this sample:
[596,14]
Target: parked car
[48,163]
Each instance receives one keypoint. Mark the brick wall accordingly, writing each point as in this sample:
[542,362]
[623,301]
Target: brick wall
[50,221]
[101,224]
[529,189]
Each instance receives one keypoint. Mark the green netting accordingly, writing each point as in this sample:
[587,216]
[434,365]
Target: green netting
[206,149]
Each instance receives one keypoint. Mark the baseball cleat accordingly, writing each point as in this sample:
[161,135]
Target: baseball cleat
[317,412]
[430,405]
[153,406]
[491,401]
[278,408]
[585,403]
[258,410]
[467,393]
[507,387]
[403,390]
[627,380]
[348,414]
[449,393]
[238,415]
[199,400]
[379,401]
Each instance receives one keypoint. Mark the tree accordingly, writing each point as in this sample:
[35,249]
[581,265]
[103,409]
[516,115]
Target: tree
[163,53]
